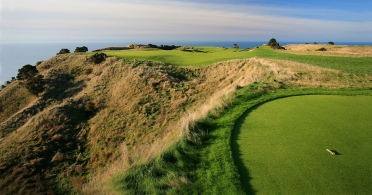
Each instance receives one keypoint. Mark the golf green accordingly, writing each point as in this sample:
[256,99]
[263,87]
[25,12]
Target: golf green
[280,146]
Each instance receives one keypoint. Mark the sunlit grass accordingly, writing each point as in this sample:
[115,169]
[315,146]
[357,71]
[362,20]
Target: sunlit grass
[283,145]
[199,55]
[209,55]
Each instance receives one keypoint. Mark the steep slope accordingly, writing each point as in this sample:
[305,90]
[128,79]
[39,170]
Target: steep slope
[96,120]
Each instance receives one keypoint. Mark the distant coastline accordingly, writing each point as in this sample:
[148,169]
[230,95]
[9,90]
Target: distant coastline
[15,55]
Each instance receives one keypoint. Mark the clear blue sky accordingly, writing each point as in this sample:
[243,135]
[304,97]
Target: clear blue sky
[202,20]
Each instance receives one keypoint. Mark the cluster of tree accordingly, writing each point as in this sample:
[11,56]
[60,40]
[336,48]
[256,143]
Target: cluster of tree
[27,71]
[274,44]
[7,83]
[81,49]
[63,51]
[163,47]
[34,82]
[97,58]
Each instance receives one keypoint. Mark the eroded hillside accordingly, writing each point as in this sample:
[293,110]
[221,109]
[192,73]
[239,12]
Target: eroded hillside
[95,120]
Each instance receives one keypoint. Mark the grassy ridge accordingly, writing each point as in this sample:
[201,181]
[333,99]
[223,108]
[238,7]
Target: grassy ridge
[139,108]
[358,66]
[209,55]
[283,142]
[196,57]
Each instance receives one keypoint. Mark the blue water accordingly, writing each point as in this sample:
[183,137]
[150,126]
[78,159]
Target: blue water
[14,55]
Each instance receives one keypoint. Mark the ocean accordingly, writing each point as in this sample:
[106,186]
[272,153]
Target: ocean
[15,55]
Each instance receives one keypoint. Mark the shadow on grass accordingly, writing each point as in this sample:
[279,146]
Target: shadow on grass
[237,153]
[336,153]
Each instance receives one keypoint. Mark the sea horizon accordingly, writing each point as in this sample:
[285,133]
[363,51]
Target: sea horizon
[15,55]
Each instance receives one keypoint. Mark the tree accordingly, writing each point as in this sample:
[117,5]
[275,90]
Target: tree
[27,72]
[81,49]
[63,51]
[273,42]
[36,85]
[275,45]
[236,46]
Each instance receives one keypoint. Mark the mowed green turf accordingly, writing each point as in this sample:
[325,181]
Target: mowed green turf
[281,146]
[205,55]
[209,55]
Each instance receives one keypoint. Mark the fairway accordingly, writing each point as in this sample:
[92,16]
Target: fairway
[280,146]
[208,55]
[200,55]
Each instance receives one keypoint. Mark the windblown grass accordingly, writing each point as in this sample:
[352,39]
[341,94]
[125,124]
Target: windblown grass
[142,125]
[359,66]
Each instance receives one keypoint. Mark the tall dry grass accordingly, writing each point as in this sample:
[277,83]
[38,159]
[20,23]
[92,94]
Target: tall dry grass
[332,50]
[142,108]
[214,85]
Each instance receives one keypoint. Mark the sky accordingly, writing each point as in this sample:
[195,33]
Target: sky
[174,20]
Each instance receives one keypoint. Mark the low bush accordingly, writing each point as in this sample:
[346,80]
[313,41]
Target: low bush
[321,49]
[97,58]
[36,85]
[27,72]
[81,49]
[63,51]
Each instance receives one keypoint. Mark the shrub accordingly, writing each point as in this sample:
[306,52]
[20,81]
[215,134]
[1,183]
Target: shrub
[36,85]
[27,72]
[236,46]
[321,49]
[63,51]
[331,43]
[38,63]
[81,49]
[272,42]
[275,45]
[98,58]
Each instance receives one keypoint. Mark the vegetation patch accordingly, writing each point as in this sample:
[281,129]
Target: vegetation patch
[136,125]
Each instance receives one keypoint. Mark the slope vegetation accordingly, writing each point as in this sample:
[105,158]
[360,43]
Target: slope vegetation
[99,125]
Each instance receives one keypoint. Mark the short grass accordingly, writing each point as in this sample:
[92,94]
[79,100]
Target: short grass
[358,66]
[211,164]
[195,57]
[209,55]
[283,144]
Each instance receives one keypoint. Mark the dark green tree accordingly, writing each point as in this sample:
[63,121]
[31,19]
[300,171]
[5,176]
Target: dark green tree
[27,72]
[81,49]
[63,51]
[98,58]
[273,42]
[36,85]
